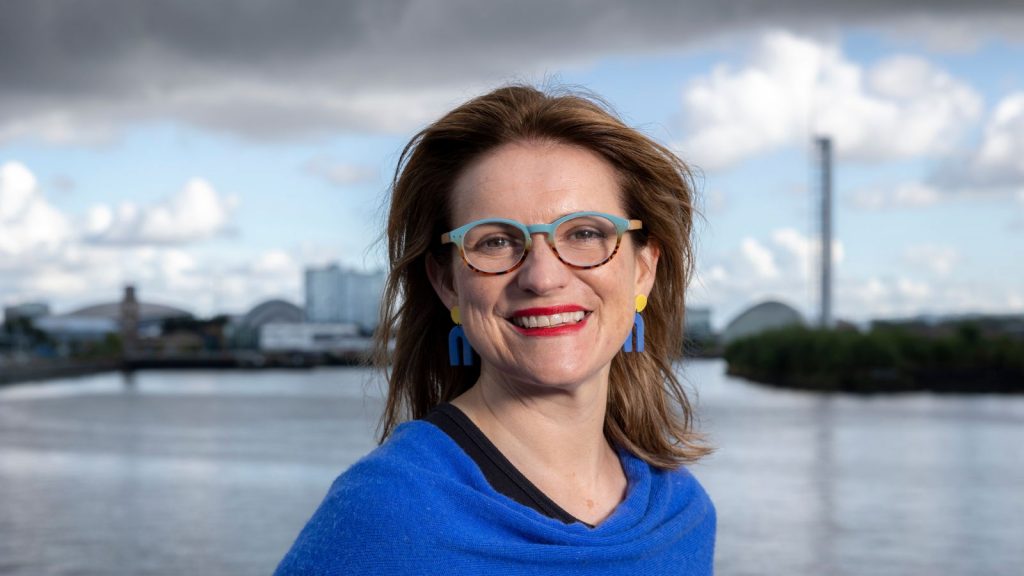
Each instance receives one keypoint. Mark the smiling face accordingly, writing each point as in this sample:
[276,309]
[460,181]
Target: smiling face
[545,323]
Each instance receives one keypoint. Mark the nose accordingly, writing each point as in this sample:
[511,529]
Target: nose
[541,270]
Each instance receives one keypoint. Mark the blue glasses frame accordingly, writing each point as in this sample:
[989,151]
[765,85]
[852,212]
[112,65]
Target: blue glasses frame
[458,236]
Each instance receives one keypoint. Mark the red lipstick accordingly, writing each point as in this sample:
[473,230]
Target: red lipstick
[548,311]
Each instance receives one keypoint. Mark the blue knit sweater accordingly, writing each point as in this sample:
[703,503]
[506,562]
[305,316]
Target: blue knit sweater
[419,505]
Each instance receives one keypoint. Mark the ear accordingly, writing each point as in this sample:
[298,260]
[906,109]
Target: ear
[646,267]
[441,279]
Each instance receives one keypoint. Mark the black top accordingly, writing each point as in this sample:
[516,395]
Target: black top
[500,473]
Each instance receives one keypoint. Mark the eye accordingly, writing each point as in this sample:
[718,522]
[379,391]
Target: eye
[584,234]
[495,243]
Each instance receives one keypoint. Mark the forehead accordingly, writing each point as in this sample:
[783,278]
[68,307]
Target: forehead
[535,182]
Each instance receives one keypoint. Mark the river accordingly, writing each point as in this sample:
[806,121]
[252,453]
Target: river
[215,472]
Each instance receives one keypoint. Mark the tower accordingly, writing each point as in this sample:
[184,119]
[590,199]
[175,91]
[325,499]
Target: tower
[129,321]
[824,144]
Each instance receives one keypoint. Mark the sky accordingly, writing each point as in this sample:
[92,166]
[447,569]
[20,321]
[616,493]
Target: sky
[208,152]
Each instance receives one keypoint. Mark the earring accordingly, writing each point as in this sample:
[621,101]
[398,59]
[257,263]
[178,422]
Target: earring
[456,335]
[635,340]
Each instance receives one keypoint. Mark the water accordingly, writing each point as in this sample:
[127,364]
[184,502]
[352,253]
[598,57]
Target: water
[216,472]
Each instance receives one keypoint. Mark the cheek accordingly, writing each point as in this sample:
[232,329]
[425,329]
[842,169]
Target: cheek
[476,297]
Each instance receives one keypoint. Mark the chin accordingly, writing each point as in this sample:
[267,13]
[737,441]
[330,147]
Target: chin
[557,375]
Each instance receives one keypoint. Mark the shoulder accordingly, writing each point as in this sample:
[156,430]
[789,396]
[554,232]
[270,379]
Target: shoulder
[674,496]
[374,516]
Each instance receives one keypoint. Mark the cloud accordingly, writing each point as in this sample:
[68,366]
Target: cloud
[999,160]
[760,259]
[341,173]
[196,212]
[794,88]
[29,224]
[905,195]
[49,255]
[781,267]
[802,253]
[938,260]
[78,72]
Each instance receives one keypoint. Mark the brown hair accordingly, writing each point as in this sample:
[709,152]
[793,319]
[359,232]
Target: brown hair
[648,412]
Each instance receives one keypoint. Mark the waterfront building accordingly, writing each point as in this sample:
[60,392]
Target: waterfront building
[129,322]
[337,295]
[96,323]
[769,315]
[698,324]
[311,338]
[244,331]
[29,310]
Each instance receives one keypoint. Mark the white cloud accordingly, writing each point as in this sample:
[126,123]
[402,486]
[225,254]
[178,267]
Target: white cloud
[760,258]
[1015,301]
[275,262]
[913,289]
[803,252]
[794,88]
[784,267]
[862,299]
[29,225]
[196,212]
[905,195]
[47,255]
[778,268]
[1000,158]
[938,260]
[365,64]
[341,173]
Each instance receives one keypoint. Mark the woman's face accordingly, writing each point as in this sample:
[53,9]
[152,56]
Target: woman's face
[536,183]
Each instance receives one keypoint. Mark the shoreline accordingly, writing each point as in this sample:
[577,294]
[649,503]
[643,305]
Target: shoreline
[39,371]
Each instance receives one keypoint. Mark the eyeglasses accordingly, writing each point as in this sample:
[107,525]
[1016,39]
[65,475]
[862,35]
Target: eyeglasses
[581,240]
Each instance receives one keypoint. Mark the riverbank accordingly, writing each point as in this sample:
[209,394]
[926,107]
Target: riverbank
[880,361]
[37,370]
[48,369]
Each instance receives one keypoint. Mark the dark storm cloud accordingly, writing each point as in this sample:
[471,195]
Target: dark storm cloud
[266,68]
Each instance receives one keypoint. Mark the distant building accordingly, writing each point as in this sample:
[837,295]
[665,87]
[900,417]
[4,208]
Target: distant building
[14,334]
[95,323]
[282,337]
[698,324]
[129,321]
[336,295]
[30,310]
[765,316]
[245,330]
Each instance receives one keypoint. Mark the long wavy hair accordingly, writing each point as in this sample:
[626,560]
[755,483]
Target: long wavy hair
[648,412]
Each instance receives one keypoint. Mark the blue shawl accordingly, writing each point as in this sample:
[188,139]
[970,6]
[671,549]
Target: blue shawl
[419,505]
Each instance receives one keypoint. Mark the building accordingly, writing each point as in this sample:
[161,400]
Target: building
[18,332]
[698,324]
[765,316]
[29,310]
[335,295]
[245,330]
[311,338]
[96,323]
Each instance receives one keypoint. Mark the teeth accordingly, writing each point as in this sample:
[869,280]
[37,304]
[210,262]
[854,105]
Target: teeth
[548,321]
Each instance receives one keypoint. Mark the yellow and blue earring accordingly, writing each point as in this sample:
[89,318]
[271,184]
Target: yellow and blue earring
[456,335]
[635,340]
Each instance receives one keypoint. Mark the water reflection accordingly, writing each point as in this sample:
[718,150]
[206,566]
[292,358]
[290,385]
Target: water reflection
[215,472]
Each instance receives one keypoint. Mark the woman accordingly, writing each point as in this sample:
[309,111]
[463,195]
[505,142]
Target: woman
[533,423]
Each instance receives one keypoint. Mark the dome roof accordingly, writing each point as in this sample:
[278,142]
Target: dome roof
[762,317]
[273,311]
[147,311]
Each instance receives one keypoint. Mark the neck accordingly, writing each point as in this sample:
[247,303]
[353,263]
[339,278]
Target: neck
[554,436]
